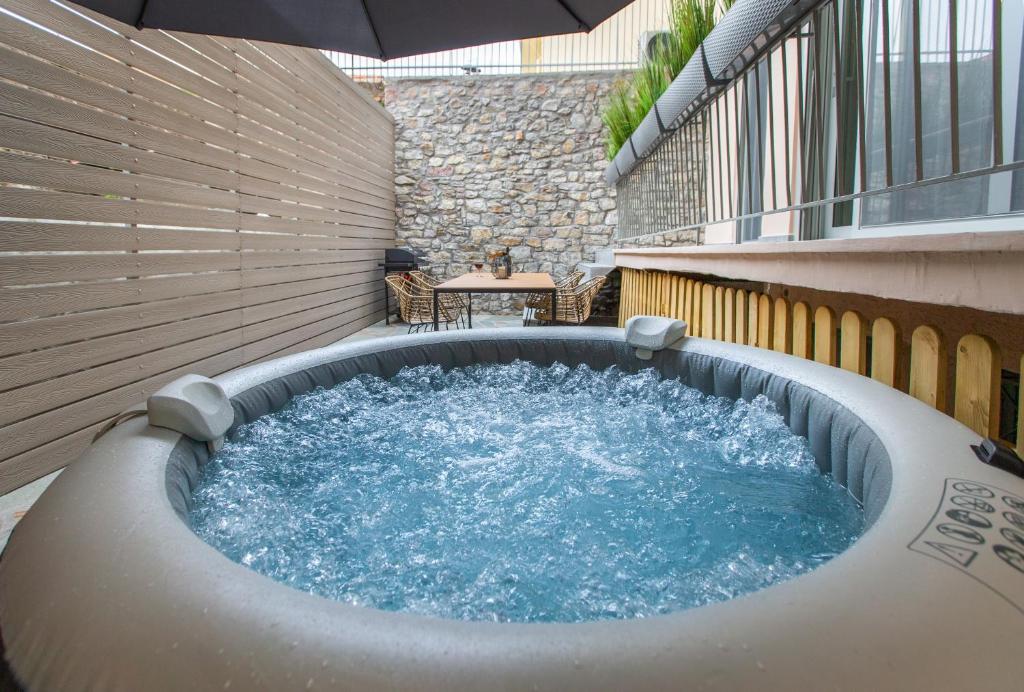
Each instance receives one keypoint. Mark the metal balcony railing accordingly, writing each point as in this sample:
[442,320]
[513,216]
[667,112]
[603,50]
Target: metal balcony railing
[616,44]
[860,113]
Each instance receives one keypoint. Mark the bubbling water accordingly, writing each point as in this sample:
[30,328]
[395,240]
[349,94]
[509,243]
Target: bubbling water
[523,493]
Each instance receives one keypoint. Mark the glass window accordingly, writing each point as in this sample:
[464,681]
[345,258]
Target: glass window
[957,90]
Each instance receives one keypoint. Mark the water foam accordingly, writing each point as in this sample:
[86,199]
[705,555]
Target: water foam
[523,493]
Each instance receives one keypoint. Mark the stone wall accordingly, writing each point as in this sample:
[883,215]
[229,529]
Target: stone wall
[488,162]
[690,236]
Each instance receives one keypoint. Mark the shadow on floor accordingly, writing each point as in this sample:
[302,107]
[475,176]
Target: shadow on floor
[397,328]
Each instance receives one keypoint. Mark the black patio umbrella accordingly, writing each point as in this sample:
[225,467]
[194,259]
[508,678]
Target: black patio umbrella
[376,28]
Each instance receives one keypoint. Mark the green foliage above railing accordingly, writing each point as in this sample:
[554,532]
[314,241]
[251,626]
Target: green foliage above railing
[630,100]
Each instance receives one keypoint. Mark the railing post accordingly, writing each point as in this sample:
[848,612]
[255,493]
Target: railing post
[707,311]
[634,291]
[622,298]
[802,329]
[691,328]
[853,348]
[885,352]
[978,374]
[928,367]
[753,300]
[825,335]
[782,336]
[728,315]
[764,321]
[675,295]
[719,313]
[698,300]
[741,316]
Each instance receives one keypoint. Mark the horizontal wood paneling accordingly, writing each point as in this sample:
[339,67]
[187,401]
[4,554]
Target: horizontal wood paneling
[28,236]
[170,203]
[77,329]
[192,342]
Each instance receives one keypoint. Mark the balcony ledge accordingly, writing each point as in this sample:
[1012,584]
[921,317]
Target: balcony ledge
[984,271]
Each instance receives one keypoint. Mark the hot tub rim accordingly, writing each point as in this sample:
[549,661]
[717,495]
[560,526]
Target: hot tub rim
[584,632]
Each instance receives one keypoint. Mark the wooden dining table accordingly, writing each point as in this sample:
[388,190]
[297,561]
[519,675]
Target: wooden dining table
[485,282]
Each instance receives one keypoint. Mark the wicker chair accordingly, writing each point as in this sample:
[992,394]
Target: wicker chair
[455,302]
[417,306]
[574,304]
[542,301]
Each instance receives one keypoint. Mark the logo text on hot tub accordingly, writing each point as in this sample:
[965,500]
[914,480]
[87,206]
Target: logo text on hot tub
[979,529]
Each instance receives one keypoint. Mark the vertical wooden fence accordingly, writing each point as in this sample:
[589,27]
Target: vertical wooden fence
[840,339]
[170,203]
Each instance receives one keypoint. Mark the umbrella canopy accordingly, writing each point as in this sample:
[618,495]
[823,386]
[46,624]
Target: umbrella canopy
[375,28]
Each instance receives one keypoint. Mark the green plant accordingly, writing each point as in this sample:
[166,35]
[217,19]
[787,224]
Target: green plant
[629,102]
[649,83]
[693,20]
[617,117]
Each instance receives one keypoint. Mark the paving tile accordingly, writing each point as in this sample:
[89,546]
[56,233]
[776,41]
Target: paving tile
[16,503]
[398,328]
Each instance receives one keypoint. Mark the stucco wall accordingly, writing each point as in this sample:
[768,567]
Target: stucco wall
[488,162]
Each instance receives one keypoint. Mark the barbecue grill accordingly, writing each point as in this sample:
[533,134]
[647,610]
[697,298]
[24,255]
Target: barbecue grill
[397,260]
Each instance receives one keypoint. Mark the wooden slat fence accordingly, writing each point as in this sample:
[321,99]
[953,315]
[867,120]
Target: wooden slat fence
[835,338]
[170,203]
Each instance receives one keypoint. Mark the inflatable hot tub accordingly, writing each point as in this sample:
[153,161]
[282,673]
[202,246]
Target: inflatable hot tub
[104,586]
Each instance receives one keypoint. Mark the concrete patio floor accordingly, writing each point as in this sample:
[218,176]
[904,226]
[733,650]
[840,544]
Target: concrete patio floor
[380,329]
[13,505]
